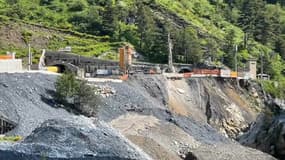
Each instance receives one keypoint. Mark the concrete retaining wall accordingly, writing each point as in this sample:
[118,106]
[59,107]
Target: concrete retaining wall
[13,65]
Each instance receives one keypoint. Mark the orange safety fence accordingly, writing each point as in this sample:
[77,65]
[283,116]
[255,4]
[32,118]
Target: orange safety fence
[207,71]
[187,75]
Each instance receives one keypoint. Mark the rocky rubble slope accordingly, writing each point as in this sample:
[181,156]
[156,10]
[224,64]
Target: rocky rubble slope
[27,100]
[185,119]
[173,117]
[59,139]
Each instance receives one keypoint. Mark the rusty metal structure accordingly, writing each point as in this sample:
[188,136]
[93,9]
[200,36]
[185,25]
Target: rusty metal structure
[6,125]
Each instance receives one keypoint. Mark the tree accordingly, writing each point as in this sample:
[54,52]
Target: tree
[66,86]
[12,2]
[89,21]
[268,27]
[252,12]
[146,26]
[76,94]
[188,45]
[76,5]
[280,46]
[228,58]
[85,99]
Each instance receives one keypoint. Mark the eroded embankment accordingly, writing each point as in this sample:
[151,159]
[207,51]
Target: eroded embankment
[160,118]
[212,101]
[180,117]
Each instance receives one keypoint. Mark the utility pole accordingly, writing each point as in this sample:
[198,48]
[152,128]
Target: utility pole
[170,58]
[245,40]
[261,64]
[236,62]
[30,57]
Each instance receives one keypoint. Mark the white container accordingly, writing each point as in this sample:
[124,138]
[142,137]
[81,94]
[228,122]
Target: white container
[225,73]
[102,72]
[115,72]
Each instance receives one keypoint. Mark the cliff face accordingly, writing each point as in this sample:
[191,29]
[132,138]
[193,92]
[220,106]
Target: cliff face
[267,133]
[195,117]
[215,102]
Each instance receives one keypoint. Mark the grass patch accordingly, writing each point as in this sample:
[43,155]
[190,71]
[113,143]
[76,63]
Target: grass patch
[10,138]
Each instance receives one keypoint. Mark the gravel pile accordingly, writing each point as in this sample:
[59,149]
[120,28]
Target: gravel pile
[59,139]
[27,100]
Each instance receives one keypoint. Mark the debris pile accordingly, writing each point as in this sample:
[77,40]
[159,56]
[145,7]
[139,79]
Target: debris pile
[105,91]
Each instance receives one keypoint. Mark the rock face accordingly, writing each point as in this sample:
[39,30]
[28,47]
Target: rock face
[171,117]
[58,139]
[267,135]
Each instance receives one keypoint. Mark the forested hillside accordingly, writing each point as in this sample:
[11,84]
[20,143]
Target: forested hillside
[201,29]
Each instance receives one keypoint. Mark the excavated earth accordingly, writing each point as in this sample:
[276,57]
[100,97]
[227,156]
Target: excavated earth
[146,117]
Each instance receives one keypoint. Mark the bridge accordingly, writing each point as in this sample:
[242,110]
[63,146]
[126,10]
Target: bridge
[73,62]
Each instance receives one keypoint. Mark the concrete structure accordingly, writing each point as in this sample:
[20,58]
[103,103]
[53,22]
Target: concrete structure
[263,76]
[90,65]
[252,68]
[83,66]
[11,65]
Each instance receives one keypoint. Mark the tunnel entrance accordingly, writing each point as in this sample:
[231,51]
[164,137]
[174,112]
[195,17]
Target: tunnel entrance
[184,70]
[61,68]
[6,125]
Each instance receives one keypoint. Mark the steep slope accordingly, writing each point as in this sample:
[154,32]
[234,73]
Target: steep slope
[144,110]
[142,23]
[16,35]
[51,132]
[141,109]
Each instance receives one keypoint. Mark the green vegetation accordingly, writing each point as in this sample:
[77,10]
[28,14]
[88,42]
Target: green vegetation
[201,29]
[76,94]
[10,139]
[274,88]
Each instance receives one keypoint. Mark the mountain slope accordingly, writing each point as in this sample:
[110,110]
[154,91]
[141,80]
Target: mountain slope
[204,30]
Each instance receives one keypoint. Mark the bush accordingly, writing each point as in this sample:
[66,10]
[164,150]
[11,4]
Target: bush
[76,94]
[274,90]
[46,2]
[77,5]
[66,86]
